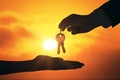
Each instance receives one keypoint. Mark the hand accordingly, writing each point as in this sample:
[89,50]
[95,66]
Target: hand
[54,63]
[39,63]
[84,23]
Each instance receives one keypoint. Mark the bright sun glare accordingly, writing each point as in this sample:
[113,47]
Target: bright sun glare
[49,44]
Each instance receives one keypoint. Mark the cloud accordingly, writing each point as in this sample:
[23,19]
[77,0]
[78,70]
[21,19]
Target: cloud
[23,33]
[7,20]
[7,38]
[12,30]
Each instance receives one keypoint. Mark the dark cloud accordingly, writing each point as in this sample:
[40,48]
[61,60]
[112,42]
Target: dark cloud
[6,20]
[24,33]
[7,38]
[19,29]
[10,35]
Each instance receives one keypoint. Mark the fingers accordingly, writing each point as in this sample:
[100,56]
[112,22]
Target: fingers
[83,28]
[68,21]
[78,24]
[74,29]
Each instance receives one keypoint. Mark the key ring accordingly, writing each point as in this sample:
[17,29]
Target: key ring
[60,36]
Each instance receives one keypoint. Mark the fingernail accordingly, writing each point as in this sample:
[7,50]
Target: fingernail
[68,29]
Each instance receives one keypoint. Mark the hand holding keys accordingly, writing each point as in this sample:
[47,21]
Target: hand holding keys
[60,37]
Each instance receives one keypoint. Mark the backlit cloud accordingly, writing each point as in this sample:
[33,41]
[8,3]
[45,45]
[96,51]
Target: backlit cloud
[12,31]
[7,38]
[23,33]
[7,20]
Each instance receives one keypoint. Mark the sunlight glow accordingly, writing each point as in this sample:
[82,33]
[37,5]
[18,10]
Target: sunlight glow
[49,44]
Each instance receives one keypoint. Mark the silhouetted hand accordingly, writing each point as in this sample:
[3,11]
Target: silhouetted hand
[39,63]
[84,23]
[53,63]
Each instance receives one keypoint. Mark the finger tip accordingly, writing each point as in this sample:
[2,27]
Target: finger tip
[68,30]
[61,29]
[73,33]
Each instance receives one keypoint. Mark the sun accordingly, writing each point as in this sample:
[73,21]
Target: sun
[49,44]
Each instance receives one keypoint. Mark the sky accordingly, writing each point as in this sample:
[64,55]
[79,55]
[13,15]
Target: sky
[26,24]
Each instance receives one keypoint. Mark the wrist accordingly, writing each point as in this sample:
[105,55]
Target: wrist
[100,18]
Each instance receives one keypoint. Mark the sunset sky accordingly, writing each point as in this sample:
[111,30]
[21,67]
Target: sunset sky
[26,24]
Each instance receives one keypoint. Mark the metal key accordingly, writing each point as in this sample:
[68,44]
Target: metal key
[60,37]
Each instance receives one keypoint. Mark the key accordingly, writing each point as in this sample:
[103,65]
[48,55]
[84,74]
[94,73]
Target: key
[60,37]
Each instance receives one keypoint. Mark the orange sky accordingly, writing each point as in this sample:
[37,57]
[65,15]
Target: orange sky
[26,24]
